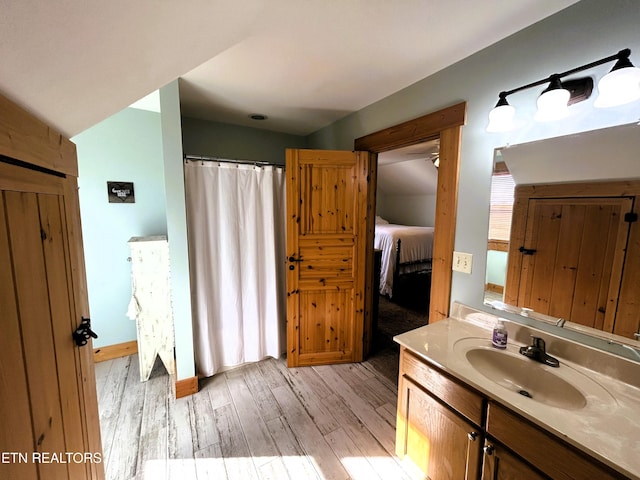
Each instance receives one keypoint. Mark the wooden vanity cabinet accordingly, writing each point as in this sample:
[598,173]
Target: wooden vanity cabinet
[439,439]
[452,432]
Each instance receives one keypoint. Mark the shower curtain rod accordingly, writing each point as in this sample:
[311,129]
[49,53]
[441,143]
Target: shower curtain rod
[259,163]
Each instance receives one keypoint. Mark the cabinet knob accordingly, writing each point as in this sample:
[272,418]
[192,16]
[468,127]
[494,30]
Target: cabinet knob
[488,449]
[472,436]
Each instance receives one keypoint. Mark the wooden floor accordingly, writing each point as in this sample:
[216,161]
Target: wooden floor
[261,420]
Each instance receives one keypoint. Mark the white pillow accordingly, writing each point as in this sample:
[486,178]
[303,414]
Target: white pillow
[381,221]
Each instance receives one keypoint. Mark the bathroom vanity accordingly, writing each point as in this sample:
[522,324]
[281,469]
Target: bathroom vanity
[467,410]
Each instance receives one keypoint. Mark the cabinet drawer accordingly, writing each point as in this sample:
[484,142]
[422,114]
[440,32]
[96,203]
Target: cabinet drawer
[552,456]
[458,397]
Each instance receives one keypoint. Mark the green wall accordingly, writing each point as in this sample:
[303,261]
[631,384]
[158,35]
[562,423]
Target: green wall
[125,147]
[213,139]
[580,34]
[177,229]
[496,267]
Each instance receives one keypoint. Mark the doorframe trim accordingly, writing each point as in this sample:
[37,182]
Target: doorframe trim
[445,124]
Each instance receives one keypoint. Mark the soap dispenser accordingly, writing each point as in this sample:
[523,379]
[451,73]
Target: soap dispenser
[499,339]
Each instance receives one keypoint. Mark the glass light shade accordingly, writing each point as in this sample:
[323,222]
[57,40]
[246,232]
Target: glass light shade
[501,118]
[552,105]
[618,87]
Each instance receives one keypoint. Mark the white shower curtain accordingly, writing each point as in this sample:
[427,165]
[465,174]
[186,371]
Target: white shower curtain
[236,229]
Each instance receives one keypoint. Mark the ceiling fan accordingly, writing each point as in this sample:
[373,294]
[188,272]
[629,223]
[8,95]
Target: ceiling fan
[435,158]
[430,151]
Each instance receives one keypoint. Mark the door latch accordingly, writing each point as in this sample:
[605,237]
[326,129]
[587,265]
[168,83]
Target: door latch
[293,259]
[83,332]
[526,251]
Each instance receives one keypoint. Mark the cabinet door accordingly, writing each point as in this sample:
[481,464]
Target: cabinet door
[437,440]
[499,464]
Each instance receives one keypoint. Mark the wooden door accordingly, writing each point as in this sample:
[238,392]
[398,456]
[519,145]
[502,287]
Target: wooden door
[572,259]
[48,406]
[437,440]
[329,235]
[42,396]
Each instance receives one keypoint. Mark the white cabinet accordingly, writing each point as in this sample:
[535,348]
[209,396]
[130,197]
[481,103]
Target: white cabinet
[151,302]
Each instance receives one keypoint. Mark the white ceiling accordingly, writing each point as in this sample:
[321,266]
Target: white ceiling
[304,63]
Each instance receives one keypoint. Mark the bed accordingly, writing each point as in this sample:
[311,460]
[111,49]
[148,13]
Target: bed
[405,249]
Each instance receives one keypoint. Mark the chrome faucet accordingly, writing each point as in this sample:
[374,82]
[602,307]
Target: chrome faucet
[536,351]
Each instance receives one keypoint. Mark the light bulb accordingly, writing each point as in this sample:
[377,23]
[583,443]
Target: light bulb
[618,87]
[552,105]
[501,118]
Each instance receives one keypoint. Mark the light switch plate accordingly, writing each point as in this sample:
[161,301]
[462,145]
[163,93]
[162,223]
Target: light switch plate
[462,262]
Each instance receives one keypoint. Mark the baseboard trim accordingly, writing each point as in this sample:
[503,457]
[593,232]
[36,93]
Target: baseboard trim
[186,387]
[492,287]
[109,352]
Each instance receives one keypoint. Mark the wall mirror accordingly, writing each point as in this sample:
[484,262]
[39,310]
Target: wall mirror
[564,242]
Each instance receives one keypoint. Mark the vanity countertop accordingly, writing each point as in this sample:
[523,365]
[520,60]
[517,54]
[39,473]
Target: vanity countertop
[607,428]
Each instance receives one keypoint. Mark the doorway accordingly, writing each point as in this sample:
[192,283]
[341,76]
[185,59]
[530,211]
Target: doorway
[445,124]
[403,239]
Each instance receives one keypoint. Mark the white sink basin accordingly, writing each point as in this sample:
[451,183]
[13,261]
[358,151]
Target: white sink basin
[527,378]
[562,387]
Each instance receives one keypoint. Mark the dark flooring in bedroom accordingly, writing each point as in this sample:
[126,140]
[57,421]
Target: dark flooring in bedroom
[395,317]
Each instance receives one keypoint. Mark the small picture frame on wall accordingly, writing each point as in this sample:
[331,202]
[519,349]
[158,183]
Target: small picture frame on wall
[121,192]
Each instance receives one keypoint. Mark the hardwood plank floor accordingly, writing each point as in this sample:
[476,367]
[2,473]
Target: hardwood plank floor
[258,421]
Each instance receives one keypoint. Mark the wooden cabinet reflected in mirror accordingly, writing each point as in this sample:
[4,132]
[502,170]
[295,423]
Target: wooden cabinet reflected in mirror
[566,242]
[570,254]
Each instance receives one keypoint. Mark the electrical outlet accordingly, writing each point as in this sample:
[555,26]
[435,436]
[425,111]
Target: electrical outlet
[462,262]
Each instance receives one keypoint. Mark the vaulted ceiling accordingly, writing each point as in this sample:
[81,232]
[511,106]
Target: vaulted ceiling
[304,64]
[409,170]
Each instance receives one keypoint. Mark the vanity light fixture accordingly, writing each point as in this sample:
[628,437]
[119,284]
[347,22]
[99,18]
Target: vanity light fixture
[553,102]
[620,86]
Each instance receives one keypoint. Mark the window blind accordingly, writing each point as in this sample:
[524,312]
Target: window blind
[501,204]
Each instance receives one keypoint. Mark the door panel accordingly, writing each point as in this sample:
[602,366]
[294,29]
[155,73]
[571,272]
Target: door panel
[45,392]
[25,237]
[16,432]
[59,285]
[322,330]
[578,252]
[327,245]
